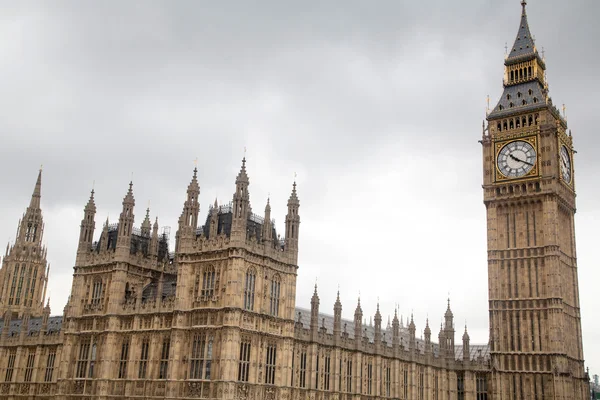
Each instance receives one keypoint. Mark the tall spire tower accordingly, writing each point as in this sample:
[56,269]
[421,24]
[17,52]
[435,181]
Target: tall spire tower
[529,194]
[23,277]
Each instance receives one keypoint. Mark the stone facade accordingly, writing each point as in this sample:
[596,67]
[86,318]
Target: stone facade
[216,318]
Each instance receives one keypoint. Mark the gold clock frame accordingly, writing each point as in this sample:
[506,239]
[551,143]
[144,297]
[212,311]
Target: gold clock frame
[499,145]
[562,144]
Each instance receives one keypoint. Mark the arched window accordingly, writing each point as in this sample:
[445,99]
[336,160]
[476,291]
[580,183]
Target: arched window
[249,289]
[97,292]
[201,356]
[274,297]
[208,283]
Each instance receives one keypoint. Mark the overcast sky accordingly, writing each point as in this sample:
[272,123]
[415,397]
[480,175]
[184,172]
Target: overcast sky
[377,106]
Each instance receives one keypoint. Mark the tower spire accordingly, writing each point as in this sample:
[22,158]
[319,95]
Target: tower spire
[37,192]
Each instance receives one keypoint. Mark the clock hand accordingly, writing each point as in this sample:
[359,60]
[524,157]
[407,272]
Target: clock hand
[519,160]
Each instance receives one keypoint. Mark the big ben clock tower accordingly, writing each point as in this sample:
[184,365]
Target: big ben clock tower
[529,194]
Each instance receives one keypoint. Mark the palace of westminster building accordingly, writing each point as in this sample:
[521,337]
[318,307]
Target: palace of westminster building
[216,318]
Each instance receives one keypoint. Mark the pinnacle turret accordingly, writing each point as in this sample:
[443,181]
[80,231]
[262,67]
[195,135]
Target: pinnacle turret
[88,224]
[37,192]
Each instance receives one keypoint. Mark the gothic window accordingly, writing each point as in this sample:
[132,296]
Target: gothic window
[11,365]
[436,385]
[249,290]
[144,358]
[326,372]
[460,386]
[20,287]
[29,366]
[97,292]
[421,383]
[14,285]
[50,366]
[405,384]
[370,377]
[270,364]
[303,368]
[82,360]
[92,361]
[164,359]
[201,357]
[208,283]
[387,376]
[275,292]
[29,233]
[244,365]
[481,387]
[349,376]
[124,358]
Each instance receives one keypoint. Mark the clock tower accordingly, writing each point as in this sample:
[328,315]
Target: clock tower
[529,194]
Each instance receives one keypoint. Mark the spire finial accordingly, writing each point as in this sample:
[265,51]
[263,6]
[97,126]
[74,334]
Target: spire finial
[524,5]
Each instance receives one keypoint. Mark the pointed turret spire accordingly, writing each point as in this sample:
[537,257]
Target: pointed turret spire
[146,224]
[377,325]
[395,329]
[214,221]
[466,347]
[292,225]
[126,219]
[88,224]
[37,192]
[314,311]
[188,221]
[267,233]
[240,205]
[358,315]
[337,317]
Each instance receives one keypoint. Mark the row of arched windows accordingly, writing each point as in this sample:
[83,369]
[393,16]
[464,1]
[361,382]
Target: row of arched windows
[517,122]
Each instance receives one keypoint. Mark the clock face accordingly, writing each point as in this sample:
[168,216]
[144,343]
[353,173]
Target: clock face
[516,159]
[565,164]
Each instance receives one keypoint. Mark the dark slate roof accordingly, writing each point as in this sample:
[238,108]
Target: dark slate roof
[518,94]
[303,315]
[35,325]
[254,226]
[524,45]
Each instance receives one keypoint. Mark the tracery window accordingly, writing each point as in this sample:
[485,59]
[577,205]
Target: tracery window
[405,384]
[481,387]
[50,366]
[249,290]
[164,359]
[303,368]
[208,283]
[349,376]
[421,383]
[97,292]
[20,287]
[14,285]
[144,358]
[201,357]
[29,366]
[326,372]
[370,377]
[83,358]
[124,358]
[274,297]
[244,365]
[270,364]
[387,380]
[460,386]
[92,361]
[11,365]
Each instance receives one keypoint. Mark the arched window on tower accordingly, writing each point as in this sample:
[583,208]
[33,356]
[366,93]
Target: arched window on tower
[208,283]
[97,292]
[249,289]
[274,297]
